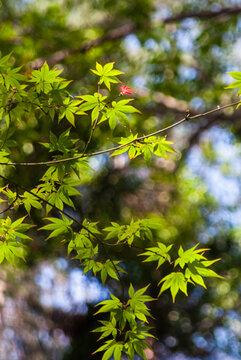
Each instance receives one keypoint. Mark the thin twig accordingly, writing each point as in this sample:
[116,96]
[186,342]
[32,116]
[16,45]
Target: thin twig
[70,217]
[96,121]
[60,161]
[10,205]
[94,124]
[6,135]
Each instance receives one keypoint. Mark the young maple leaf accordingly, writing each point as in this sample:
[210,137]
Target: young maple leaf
[125,90]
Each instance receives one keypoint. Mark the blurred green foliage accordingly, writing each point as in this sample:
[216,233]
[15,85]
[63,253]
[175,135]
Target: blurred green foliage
[171,65]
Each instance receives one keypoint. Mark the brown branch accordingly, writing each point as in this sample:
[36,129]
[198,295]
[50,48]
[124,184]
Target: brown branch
[204,14]
[122,31]
[195,137]
[112,35]
[168,102]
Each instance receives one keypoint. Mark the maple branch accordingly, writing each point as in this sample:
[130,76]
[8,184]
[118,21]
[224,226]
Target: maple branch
[10,205]
[100,241]
[157,132]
